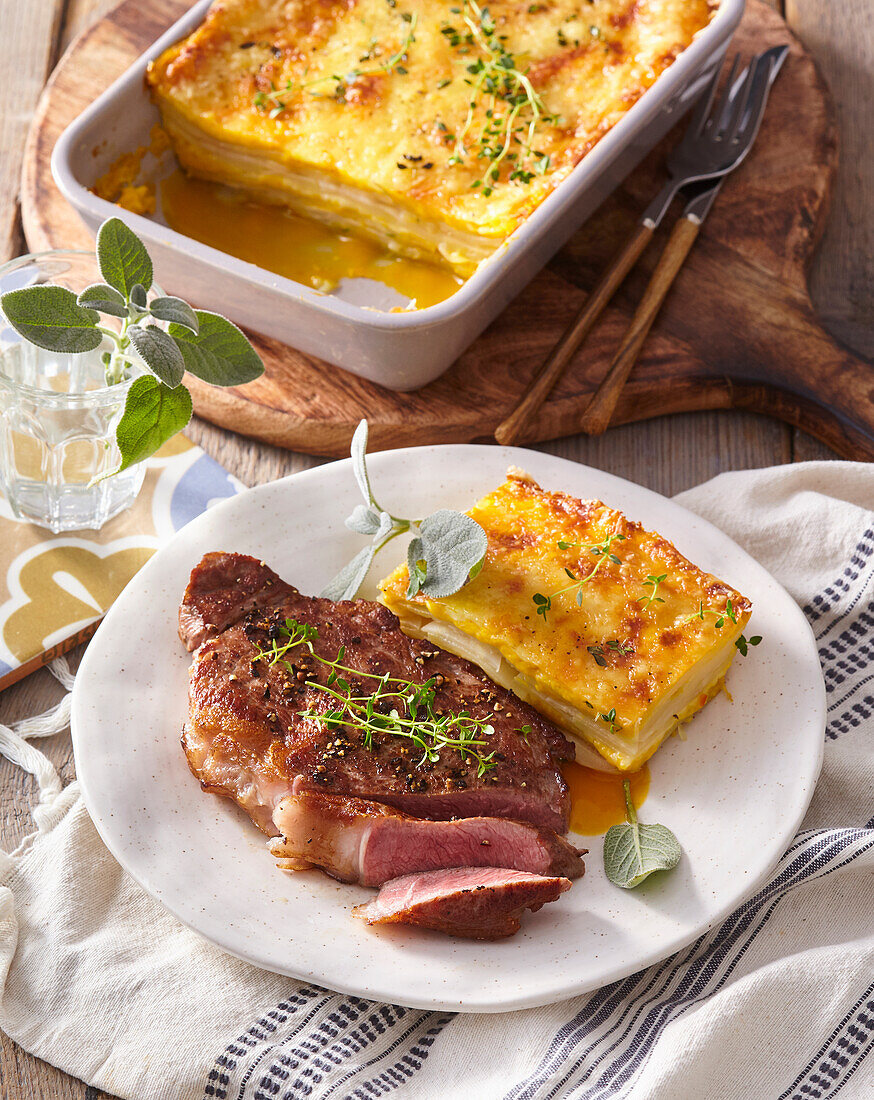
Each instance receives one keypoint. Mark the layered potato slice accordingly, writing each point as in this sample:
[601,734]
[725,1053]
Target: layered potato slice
[384,116]
[604,627]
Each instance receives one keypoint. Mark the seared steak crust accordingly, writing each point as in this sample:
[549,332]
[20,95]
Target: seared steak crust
[245,737]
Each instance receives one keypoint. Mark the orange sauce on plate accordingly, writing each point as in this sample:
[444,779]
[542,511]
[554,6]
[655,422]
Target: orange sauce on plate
[597,798]
[299,248]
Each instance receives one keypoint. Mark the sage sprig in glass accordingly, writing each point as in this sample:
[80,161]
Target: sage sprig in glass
[80,344]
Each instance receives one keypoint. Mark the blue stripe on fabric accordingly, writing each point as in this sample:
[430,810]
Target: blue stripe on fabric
[668,1012]
[599,1007]
[831,1043]
[712,951]
[437,1022]
[324,1051]
[826,601]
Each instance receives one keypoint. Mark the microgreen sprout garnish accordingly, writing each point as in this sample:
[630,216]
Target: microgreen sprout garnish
[397,707]
[633,850]
[742,643]
[447,549]
[506,98]
[600,658]
[295,634]
[524,731]
[273,103]
[721,616]
[603,552]
[401,708]
[652,582]
[157,405]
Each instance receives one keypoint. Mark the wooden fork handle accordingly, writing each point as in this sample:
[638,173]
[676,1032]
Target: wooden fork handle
[599,411]
[513,428]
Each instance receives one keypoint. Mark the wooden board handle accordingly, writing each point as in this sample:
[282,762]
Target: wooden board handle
[599,411]
[513,428]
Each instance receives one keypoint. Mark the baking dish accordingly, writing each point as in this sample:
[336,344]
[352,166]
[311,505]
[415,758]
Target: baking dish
[355,327]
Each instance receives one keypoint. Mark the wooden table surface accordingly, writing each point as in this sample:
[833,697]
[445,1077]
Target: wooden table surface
[668,455]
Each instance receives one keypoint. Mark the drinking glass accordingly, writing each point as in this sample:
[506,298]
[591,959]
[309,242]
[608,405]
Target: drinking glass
[58,416]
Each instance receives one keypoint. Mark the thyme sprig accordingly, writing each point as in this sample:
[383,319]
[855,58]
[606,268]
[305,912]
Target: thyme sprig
[274,104]
[610,719]
[296,633]
[742,643]
[721,616]
[512,107]
[597,651]
[397,707]
[603,553]
[652,582]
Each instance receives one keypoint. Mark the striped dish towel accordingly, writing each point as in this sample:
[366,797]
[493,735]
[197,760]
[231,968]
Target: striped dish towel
[775,1003]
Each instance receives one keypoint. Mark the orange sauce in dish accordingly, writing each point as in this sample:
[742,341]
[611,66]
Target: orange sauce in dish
[299,248]
[597,798]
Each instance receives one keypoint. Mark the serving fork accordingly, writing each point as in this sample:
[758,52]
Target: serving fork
[715,142]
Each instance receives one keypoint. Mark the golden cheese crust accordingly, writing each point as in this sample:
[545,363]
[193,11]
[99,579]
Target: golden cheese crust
[609,664]
[353,109]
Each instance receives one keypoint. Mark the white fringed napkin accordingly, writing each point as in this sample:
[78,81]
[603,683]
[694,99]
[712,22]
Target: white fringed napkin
[776,1003]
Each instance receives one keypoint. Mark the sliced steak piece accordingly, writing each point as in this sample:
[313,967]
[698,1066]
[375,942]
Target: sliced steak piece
[246,737]
[365,842]
[474,902]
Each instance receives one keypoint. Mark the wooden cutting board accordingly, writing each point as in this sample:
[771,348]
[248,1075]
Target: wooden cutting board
[737,330]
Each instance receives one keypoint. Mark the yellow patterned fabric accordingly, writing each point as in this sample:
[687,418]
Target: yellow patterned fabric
[54,588]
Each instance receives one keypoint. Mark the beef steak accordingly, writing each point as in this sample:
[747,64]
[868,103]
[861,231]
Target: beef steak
[365,842]
[473,902]
[247,738]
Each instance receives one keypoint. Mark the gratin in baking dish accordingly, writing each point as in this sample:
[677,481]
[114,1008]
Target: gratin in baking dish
[356,326]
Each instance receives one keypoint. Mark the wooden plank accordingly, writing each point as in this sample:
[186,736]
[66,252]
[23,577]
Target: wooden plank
[841,37]
[80,14]
[31,36]
[28,49]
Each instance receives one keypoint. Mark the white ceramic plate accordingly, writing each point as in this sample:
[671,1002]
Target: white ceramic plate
[734,792]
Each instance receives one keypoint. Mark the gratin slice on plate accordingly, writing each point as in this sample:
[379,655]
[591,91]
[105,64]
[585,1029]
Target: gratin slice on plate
[604,627]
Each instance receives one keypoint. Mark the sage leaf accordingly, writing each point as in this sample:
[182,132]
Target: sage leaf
[153,413]
[357,452]
[51,318]
[138,296]
[122,257]
[452,544]
[174,309]
[351,576]
[633,850]
[159,352]
[218,352]
[364,520]
[104,298]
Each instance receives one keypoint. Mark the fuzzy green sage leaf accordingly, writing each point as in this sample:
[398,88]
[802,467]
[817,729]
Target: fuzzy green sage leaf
[159,352]
[153,413]
[174,309]
[51,318]
[218,352]
[633,850]
[452,545]
[350,578]
[447,549]
[105,298]
[123,258]
[357,452]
